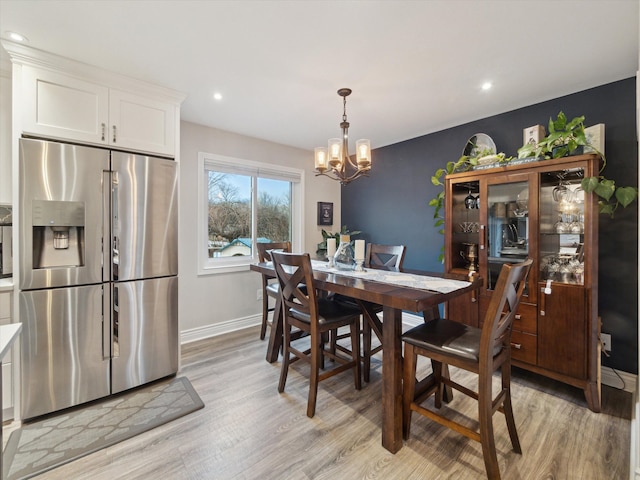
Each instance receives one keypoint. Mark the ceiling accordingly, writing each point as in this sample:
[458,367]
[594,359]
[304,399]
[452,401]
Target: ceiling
[415,67]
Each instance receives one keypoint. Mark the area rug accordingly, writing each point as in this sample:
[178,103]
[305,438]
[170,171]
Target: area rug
[45,444]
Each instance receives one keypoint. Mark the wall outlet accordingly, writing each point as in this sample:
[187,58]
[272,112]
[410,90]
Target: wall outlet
[605,338]
[259,294]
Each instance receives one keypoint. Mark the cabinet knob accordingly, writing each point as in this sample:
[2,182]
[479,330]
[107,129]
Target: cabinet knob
[517,346]
[104,129]
[518,316]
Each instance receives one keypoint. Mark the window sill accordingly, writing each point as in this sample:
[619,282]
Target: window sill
[222,269]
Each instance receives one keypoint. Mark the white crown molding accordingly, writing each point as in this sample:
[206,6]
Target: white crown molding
[23,55]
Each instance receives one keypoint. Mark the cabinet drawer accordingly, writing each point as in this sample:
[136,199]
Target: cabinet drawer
[526,318]
[524,347]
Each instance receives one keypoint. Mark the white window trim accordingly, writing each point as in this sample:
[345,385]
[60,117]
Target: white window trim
[209,266]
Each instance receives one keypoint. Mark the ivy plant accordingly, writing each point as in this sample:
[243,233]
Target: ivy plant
[564,138]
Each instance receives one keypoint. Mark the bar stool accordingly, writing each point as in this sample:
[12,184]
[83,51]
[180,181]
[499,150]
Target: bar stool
[481,351]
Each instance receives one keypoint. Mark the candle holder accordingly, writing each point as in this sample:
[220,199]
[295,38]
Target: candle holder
[343,258]
[359,267]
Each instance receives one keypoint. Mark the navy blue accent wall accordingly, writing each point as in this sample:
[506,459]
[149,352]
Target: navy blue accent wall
[391,205]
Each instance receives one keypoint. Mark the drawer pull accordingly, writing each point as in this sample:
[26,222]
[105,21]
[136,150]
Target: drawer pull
[517,346]
[518,316]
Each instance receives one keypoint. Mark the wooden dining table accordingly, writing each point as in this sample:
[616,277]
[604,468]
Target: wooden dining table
[394,299]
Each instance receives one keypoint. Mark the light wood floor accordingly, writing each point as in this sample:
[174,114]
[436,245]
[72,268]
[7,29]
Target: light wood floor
[248,430]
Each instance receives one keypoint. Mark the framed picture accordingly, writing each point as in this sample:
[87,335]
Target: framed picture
[595,137]
[325,213]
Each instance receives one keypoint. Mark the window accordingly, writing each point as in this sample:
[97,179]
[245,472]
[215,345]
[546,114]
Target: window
[241,203]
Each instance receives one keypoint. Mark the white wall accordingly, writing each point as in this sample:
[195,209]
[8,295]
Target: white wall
[5,128]
[215,304]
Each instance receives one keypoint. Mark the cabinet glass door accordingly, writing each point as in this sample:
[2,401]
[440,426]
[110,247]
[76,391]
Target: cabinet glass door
[465,226]
[507,227]
[562,226]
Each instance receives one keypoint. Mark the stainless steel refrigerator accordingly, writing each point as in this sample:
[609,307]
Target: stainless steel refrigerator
[98,281]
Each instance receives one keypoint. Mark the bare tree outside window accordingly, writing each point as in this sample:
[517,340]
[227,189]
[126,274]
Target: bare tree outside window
[230,212]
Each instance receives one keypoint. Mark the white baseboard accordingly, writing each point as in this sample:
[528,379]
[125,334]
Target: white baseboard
[215,329]
[610,378]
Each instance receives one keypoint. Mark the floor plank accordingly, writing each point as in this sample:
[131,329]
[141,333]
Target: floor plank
[248,430]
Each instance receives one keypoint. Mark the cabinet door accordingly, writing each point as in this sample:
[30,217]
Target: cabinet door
[64,107]
[509,235]
[464,309]
[562,329]
[140,123]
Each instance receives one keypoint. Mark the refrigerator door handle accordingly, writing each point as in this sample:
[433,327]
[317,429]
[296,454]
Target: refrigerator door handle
[106,226]
[115,324]
[106,322]
[115,225]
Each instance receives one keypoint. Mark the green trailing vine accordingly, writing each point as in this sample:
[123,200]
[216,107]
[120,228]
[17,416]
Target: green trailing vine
[464,164]
[564,138]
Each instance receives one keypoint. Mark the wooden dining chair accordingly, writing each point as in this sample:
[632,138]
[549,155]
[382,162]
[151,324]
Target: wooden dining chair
[270,287]
[304,310]
[389,257]
[481,351]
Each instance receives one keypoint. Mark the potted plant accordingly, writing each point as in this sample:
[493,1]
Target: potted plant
[569,138]
[322,246]
[564,138]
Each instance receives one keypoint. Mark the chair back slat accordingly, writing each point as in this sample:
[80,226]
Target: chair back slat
[496,331]
[295,277]
[389,256]
[264,249]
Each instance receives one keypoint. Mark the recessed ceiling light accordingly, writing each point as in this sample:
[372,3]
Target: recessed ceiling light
[17,37]
[217,96]
[486,86]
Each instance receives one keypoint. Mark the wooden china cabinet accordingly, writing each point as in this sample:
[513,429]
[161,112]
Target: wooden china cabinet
[503,214]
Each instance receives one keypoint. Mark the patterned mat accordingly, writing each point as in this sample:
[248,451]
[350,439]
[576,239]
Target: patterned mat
[42,445]
[420,282]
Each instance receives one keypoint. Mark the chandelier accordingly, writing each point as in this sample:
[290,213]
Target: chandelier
[334,162]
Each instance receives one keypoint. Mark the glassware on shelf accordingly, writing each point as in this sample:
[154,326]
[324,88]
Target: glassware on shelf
[469,227]
[344,259]
[562,227]
[470,201]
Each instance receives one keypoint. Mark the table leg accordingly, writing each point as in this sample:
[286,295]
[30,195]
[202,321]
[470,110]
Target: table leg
[392,379]
[372,324]
[275,334]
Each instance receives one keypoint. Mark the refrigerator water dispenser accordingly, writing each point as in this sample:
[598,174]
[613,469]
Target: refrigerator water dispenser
[58,234]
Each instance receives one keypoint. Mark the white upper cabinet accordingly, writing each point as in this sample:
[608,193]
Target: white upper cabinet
[141,123]
[64,107]
[63,99]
